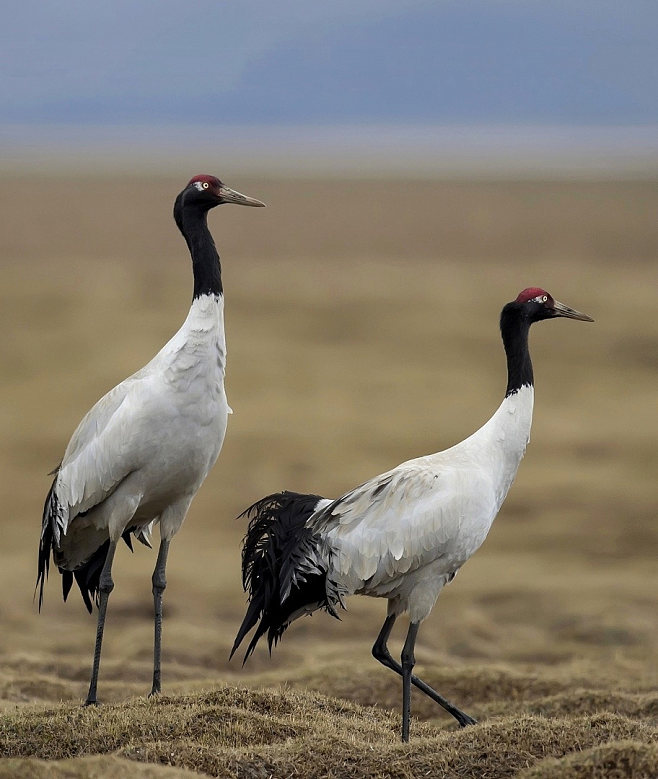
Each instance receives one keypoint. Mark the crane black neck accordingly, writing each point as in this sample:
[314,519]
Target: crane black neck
[192,221]
[514,328]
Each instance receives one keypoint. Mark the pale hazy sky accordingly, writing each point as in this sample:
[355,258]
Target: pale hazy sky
[293,62]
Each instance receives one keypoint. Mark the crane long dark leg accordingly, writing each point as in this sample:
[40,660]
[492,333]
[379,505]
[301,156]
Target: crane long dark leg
[159,584]
[105,587]
[380,652]
[408,662]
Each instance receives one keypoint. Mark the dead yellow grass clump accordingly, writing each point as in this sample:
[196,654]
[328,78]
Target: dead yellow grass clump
[98,767]
[234,731]
[617,760]
[361,332]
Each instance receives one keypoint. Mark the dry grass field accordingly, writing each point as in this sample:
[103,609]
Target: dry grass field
[362,330]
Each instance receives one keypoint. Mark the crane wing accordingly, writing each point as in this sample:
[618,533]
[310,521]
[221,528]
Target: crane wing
[101,452]
[404,519]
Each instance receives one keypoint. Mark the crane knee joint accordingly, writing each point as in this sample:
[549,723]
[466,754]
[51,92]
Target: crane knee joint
[159,583]
[408,659]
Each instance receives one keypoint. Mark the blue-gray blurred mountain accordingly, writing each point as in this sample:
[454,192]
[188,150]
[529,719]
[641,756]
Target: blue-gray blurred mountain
[293,62]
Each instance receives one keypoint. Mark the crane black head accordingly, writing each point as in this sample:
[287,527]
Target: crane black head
[190,213]
[205,192]
[531,305]
[534,304]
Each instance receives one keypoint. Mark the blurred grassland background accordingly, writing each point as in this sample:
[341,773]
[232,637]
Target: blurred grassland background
[362,326]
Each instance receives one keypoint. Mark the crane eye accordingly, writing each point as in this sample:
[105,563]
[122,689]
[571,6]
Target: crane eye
[544,298]
[206,185]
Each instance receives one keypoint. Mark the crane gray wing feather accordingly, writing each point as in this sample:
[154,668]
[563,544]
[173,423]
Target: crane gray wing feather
[397,522]
[101,452]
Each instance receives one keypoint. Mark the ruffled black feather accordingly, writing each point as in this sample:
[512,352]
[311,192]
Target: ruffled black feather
[87,576]
[46,541]
[284,566]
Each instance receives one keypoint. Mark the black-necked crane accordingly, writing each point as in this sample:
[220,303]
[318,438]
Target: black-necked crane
[402,535]
[141,453]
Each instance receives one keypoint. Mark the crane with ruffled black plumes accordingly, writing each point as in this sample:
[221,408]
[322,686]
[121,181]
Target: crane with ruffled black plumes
[402,535]
[141,453]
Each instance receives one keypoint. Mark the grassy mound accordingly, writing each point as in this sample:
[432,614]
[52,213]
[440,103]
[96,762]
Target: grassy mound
[235,731]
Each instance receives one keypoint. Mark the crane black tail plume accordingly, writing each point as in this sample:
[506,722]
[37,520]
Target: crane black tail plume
[284,567]
[49,532]
[87,575]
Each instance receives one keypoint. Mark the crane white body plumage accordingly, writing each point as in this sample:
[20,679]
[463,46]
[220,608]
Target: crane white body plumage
[405,533]
[141,453]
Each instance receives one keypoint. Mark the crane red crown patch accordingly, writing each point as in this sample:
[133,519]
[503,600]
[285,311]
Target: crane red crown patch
[531,293]
[205,179]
